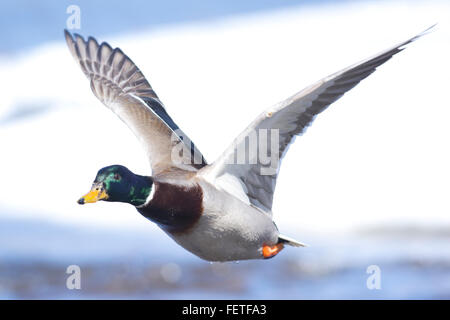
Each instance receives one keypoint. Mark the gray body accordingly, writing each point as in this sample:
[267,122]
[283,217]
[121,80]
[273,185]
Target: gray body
[228,229]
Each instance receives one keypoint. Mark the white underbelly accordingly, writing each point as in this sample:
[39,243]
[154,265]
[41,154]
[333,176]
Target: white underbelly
[228,237]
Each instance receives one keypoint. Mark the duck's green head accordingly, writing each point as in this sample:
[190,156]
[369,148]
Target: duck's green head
[118,184]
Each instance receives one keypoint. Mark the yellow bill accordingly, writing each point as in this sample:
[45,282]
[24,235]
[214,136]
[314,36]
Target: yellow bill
[94,195]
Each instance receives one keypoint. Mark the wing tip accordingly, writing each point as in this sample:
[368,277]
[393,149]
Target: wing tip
[416,37]
[68,36]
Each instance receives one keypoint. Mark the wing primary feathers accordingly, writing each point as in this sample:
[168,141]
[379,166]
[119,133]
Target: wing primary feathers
[120,85]
[291,117]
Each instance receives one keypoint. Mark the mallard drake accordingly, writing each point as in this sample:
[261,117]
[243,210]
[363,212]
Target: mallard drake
[220,211]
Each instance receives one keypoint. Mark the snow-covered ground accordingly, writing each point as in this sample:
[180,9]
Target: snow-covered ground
[376,159]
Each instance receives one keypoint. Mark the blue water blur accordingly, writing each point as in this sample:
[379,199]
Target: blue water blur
[129,264]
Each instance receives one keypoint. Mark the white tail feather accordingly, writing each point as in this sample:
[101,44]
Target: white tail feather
[291,242]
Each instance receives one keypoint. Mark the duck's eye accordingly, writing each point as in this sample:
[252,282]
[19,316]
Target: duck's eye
[116,176]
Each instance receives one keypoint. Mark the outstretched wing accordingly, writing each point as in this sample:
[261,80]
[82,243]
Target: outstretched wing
[251,167]
[121,86]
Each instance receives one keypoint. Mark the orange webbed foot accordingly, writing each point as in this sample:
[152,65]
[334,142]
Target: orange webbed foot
[271,251]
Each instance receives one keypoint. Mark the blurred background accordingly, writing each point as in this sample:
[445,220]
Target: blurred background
[367,185]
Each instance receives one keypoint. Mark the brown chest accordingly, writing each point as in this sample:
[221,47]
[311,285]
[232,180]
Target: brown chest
[174,208]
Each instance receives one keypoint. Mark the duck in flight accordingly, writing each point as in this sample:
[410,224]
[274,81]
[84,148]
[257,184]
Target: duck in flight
[220,211]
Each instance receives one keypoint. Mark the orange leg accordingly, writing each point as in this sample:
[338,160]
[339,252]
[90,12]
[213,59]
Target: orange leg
[271,251]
